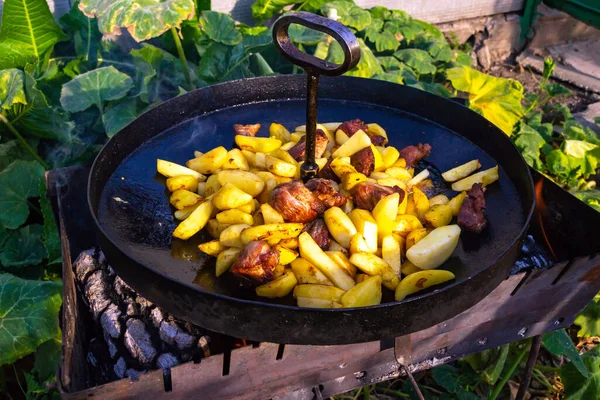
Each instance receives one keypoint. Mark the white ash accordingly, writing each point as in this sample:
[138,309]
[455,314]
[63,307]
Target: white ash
[110,321]
[139,342]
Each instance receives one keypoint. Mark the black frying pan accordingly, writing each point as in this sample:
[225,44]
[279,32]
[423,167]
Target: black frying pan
[134,220]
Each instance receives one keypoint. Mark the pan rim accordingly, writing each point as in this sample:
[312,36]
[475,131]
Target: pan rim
[528,214]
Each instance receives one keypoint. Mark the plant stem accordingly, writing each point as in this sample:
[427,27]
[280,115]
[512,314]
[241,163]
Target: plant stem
[186,71]
[390,391]
[23,142]
[507,376]
[546,368]
[541,378]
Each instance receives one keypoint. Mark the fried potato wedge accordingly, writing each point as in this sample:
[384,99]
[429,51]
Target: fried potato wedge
[249,207]
[341,259]
[212,248]
[421,280]
[420,177]
[234,216]
[310,251]
[484,177]
[215,228]
[385,213]
[286,255]
[185,212]
[323,292]
[187,182]
[202,189]
[229,196]
[356,143]
[278,131]
[399,173]
[225,260]
[373,265]
[209,162]
[182,198]
[376,130]
[307,273]
[212,185]
[365,293]
[352,179]
[421,202]
[462,171]
[291,243]
[435,248]
[342,166]
[257,144]
[360,277]
[389,156]
[414,236]
[409,268]
[366,225]
[235,160]
[231,236]
[195,222]
[341,137]
[269,231]
[271,215]
[246,181]
[307,302]
[170,170]
[406,223]
[358,244]
[391,253]
[439,199]
[340,226]
[281,168]
[439,215]
[456,202]
[279,287]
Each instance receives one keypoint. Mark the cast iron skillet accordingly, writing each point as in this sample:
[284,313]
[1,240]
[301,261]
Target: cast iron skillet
[134,221]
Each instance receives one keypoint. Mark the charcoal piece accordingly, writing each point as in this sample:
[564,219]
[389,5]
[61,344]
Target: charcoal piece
[102,259]
[112,347]
[157,317]
[166,360]
[110,272]
[85,264]
[120,368]
[110,321]
[171,333]
[203,345]
[145,305]
[133,374]
[533,256]
[132,309]
[139,342]
[97,292]
[122,289]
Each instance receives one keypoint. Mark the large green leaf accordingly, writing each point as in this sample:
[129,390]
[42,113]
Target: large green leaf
[47,357]
[577,388]
[222,63]
[51,238]
[12,88]
[94,88]
[28,30]
[558,164]
[23,247]
[582,155]
[347,13]
[489,363]
[220,28]
[257,41]
[13,150]
[84,33]
[28,315]
[451,379]
[368,65]
[589,319]
[441,52]
[144,19]
[380,12]
[384,41]
[118,115]
[435,88]
[590,326]
[18,182]
[560,344]
[266,9]
[303,35]
[529,141]
[497,99]
[418,59]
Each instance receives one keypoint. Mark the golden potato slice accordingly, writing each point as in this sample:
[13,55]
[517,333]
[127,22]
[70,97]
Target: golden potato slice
[389,156]
[484,177]
[409,268]
[341,137]
[439,215]
[225,260]
[278,131]
[352,179]
[195,222]
[307,302]
[187,182]
[414,236]
[185,212]
[356,143]
[170,170]
[378,175]
[291,243]
[182,198]
[366,225]
[323,292]
[202,189]
[421,202]
[391,253]
[342,166]
[421,176]
[405,224]
[250,158]
[235,160]
[286,255]
[212,248]
[209,162]
[377,158]
[399,173]
[340,259]
[340,226]
[229,196]
[456,203]
[234,216]
[231,236]
[310,251]
[391,182]
[272,231]
[279,287]
[358,244]
[462,171]
[281,168]
[278,271]
[375,129]
[244,180]
[360,277]
[364,294]
[349,206]
[271,215]
[257,144]
[249,207]
[307,273]
[215,228]
[287,146]
[373,265]
[283,155]
[212,185]
[385,213]
[421,280]
[403,205]
[198,153]
[400,162]
[439,199]
[435,248]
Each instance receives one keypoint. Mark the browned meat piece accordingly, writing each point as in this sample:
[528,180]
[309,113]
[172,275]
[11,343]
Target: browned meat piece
[327,173]
[470,216]
[326,193]
[299,150]
[377,140]
[256,263]
[295,202]
[414,154]
[246,130]
[364,161]
[353,126]
[368,194]
[319,232]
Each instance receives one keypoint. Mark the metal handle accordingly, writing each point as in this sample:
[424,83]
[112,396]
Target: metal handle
[312,64]
[314,67]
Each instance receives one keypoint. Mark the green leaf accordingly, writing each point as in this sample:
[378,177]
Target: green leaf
[558,164]
[462,58]
[577,148]
[463,395]
[18,182]
[47,357]
[393,76]
[51,238]
[401,16]
[118,115]
[94,88]
[257,42]
[12,88]
[368,64]
[435,88]
[529,141]
[23,247]
[384,41]
[582,389]
[574,130]
[28,30]
[544,129]
[559,343]
[266,9]
[556,89]
[451,378]
[408,388]
[220,28]
[489,363]
[418,59]
[497,99]
[222,63]
[589,319]
[380,12]
[592,199]
[13,150]
[441,52]
[304,35]
[348,14]
[144,19]
[84,33]
[28,315]
[390,63]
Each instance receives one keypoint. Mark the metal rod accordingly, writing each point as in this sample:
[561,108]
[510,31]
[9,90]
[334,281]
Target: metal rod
[310,167]
[526,379]
[414,383]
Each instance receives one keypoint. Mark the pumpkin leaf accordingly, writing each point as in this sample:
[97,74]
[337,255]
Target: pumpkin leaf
[529,141]
[18,182]
[220,28]
[23,247]
[12,88]
[266,9]
[347,13]
[577,388]
[222,63]
[418,59]
[118,115]
[560,344]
